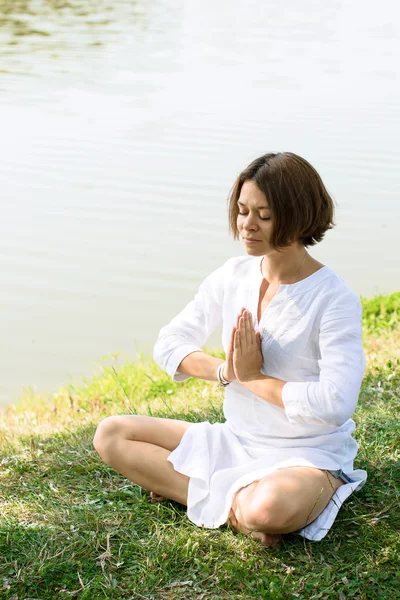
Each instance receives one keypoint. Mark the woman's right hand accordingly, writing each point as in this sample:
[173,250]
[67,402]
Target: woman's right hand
[228,371]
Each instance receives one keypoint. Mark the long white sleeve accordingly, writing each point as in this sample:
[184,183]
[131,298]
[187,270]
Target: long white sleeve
[189,330]
[333,399]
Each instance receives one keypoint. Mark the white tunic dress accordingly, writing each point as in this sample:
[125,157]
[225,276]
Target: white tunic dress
[310,338]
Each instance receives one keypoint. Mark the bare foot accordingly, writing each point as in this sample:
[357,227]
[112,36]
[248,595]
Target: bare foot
[268,540]
[156,497]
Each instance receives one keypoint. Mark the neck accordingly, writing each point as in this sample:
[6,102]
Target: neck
[285,265]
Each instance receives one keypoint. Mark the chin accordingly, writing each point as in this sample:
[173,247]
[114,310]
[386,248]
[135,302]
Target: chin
[254,250]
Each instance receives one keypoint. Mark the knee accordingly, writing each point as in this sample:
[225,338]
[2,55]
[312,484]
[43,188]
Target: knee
[106,436]
[268,513]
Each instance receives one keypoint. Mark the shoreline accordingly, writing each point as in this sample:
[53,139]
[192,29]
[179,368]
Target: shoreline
[381,314]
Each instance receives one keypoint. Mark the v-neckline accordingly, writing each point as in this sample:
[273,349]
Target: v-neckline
[260,301]
[256,301]
[289,286]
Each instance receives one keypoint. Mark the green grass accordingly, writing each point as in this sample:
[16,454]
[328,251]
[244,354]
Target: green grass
[70,527]
[381,313]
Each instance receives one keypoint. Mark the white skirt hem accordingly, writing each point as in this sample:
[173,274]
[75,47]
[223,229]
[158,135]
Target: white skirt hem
[218,466]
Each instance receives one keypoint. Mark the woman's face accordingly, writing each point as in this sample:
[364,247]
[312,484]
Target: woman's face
[254,220]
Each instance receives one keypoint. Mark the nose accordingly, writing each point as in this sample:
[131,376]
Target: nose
[250,223]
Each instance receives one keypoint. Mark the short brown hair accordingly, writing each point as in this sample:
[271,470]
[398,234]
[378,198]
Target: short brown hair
[302,209]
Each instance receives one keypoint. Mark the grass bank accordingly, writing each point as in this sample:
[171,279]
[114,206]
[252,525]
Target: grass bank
[72,528]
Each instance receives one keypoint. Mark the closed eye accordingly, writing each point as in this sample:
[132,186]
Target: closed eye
[262,218]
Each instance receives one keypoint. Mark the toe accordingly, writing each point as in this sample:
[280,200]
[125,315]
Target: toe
[156,497]
[270,541]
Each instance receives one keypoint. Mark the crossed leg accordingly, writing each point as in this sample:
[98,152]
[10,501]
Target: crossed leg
[282,502]
[138,447]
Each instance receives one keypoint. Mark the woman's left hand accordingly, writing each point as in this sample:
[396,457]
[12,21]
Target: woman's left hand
[247,356]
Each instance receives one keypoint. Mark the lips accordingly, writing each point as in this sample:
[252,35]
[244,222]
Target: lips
[250,240]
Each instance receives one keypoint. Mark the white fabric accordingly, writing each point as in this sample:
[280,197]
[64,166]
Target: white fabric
[311,338]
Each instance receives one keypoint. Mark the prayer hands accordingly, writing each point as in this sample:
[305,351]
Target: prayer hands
[244,357]
[247,356]
[229,371]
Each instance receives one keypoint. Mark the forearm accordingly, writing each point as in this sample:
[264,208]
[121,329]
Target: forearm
[201,365]
[267,388]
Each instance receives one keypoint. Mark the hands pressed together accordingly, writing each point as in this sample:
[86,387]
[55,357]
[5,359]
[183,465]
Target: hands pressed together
[244,357]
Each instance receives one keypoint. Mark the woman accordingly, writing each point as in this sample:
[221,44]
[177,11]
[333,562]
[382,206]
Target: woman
[283,460]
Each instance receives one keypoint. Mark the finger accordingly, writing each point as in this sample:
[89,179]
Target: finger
[237,347]
[230,339]
[241,312]
[245,327]
[247,336]
[250,316]
[256,334]
[242,329]
[231,344]
[249,330]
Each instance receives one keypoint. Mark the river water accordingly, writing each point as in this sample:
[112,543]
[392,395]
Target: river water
[123,126]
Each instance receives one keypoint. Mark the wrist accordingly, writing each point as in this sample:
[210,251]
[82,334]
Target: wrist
[224,372]
[249,377]
[223,381]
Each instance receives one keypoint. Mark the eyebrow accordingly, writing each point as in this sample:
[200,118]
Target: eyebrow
[258,207]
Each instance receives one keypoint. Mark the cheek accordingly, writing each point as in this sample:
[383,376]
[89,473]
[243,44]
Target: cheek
[267,226]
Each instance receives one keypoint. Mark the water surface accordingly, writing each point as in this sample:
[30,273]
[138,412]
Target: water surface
[123,126]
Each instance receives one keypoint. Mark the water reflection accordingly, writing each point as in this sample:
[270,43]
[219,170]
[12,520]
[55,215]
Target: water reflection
[54,25]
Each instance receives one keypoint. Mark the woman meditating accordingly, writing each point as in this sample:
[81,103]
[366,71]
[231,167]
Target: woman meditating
[283,459]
